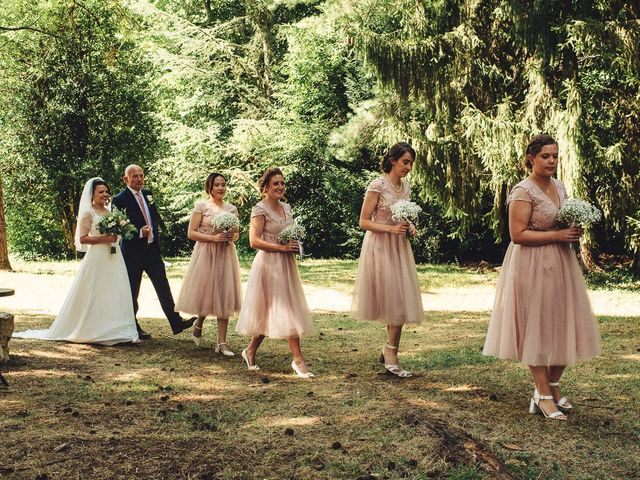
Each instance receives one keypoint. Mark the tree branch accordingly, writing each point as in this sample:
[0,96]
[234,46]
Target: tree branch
[32,29]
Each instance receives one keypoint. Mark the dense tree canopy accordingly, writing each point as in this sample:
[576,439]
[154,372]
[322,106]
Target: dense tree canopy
[76,106]
[321,88]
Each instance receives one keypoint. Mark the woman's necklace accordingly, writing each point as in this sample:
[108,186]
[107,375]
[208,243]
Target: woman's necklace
[399,189]
[546,190]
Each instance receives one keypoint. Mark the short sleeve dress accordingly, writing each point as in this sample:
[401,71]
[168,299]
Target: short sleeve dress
[386,288]
[274,305]
[211,285]
[541,315]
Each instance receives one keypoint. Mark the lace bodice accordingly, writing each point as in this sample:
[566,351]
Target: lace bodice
[544,211]
[88,224]
[274,222]
[208,212]
[388,196]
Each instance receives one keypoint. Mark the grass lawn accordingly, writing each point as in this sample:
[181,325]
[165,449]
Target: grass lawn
[166,409]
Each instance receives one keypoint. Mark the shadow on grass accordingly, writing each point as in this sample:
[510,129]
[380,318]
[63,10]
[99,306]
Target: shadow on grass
[191,413]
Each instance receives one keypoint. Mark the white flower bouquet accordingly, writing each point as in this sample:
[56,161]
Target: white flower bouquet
[117,223]
[405,211]
[292,233]
[225,221]
[576,212]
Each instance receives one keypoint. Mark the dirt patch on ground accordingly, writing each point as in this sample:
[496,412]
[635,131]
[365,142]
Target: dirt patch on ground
[166,409]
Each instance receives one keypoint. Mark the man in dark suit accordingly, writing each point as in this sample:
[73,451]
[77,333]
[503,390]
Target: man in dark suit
[142,253]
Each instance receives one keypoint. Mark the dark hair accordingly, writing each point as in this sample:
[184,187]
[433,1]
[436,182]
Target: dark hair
[208,184]
[535,146]
[266,177]
[96,184]
[394,153]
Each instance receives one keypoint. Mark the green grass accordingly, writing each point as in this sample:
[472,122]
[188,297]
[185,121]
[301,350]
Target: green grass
[340,274]
[613,279]
[330,273]
[166,409]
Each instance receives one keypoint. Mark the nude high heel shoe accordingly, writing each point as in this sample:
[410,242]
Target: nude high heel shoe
[223,348]
[197,340]
[246,359]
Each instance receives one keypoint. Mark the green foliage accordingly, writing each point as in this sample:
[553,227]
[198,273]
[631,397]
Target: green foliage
[480,77]
[321,89]
[79,108]
[38,234]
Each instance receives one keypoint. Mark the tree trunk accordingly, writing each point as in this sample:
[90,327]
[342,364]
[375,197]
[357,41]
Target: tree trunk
[68,228]
[207,7]
[6,330]
[635,266]
[262,20]
[4,249]
[588,258]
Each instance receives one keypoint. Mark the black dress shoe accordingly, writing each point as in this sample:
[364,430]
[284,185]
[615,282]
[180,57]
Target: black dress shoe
[143,335]
[182,325]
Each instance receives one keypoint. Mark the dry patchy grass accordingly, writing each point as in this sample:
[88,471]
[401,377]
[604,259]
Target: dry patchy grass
[166,409]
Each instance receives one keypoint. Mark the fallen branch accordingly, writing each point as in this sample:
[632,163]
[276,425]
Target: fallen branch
[22,469]
[459,446]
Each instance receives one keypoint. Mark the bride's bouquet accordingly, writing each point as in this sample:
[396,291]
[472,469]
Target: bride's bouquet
[225,221]
[292,233]
[404,211]
[117,223]
[576,212]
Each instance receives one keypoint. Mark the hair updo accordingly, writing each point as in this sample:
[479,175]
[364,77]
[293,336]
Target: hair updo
[394,153]
[208,184]
[266,177]
[96,183]
[535,146]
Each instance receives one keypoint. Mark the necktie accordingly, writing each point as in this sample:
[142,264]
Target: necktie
[144,214]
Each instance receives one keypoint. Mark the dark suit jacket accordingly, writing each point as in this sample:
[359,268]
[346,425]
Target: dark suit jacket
[125,200]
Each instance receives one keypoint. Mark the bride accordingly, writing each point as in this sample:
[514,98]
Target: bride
[98,308]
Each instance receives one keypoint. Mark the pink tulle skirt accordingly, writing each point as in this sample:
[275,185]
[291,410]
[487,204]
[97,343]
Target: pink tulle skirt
[542,315]
[387,287]
[211,285]
[275,305]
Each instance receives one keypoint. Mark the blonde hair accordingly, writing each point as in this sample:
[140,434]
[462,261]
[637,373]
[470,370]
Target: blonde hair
[266,177]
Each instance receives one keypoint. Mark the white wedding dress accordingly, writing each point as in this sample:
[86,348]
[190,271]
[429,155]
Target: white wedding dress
[98,308]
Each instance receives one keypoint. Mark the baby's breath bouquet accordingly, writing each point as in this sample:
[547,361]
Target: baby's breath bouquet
[225,221]
[576,212]
[404,211]
[117,223]
[291,233]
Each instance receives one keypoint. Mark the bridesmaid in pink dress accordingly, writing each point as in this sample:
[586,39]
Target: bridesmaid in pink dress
[275,305]
[387,287]
[211,285]
[542,316]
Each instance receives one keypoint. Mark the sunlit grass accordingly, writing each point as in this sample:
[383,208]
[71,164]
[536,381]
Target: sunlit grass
[350,422]
[340,274]
[193,414]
